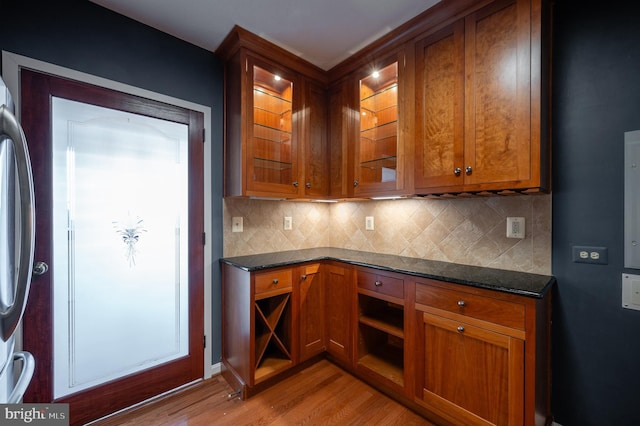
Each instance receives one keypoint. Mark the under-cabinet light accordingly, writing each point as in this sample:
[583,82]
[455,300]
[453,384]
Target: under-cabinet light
[276,77]
[390,197]
[324,201]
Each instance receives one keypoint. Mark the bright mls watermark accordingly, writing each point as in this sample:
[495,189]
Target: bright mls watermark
[34,414]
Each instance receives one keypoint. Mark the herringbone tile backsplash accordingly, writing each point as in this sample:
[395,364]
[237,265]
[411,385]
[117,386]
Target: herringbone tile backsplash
[470,231]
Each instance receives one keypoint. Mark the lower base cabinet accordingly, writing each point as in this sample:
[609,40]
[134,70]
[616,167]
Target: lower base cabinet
[456,354]
[472,373]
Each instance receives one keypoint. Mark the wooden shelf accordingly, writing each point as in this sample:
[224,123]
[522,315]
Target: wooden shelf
[271,366]
[394,329]
[388,365]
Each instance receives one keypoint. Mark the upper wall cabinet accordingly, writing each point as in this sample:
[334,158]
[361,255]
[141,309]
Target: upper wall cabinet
[379,149]
[275,122]
[481,89]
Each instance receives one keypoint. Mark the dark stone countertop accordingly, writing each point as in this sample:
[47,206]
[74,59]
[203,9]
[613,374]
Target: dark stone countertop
[521,283]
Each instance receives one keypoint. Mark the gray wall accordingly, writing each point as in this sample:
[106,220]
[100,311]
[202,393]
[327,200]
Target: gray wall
[80,35]
[596,98]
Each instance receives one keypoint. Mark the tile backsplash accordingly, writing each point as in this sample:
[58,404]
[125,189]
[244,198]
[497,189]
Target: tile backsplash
[470,231]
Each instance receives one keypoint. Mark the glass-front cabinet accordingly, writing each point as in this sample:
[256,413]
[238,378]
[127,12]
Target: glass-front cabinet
[378,155]
[272,135]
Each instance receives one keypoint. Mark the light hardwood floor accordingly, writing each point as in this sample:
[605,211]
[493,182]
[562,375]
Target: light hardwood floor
[322,394]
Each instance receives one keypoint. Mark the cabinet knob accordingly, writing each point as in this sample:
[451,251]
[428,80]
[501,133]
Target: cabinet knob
[378,283]
[468,170]
[457,171]
[307,185]
[356,182]
[462,303]
[295,184]
[460,329]
[304,276]
[275,281]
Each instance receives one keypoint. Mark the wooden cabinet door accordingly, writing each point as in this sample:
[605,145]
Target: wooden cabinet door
[474,375]
[273,99]
[311,310]
[499,149]
[439,143]
[340,125]
[339,305]
[315,153]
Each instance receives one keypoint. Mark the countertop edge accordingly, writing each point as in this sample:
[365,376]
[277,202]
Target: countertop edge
[296,260]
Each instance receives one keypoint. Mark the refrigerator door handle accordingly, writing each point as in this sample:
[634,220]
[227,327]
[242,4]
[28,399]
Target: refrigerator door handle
[28,365]
[10,317]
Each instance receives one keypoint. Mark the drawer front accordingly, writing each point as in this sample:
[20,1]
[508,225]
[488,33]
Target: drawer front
[381,284]
[508,314]
[273,282]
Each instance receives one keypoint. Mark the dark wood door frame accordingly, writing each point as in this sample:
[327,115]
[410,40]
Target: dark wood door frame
[37,90]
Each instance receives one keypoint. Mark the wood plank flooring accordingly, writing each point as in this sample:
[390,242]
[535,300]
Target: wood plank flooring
[322,394]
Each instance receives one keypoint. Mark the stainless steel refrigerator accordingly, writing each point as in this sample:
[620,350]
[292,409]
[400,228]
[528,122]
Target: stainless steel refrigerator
[17,237]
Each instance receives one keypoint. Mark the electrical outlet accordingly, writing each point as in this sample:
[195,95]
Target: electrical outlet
[588,254]
[368,223]
[288,223]
[515,227]
[237,224]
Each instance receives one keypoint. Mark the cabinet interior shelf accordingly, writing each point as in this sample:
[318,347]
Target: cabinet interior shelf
[387,364]
[386,162]
[275,129]
[379,92]
[391,325]
[265,163]
[379,127]
[262,91]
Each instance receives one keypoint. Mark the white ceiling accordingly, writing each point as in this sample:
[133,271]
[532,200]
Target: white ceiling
[324,32]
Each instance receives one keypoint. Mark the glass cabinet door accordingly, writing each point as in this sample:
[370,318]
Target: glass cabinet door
[377,151]
[271,149]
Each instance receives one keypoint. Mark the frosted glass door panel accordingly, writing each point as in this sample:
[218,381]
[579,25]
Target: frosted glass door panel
[120,244]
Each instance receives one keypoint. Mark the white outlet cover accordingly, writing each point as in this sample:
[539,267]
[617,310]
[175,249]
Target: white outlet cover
[515,227]
[369,224]
[237,224]
[288,223]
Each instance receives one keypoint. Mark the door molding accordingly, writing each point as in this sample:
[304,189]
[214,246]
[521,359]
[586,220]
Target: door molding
[11,66]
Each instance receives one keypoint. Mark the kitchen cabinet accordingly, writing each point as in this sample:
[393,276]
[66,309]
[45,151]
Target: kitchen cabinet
[258,325]
[471,363]
[379,150]
[380,327]
[275,121]
[458,354]
[339,306]
[481,88]
[311,302]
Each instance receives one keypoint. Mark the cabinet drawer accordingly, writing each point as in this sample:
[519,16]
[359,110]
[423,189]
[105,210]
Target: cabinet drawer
[383,284]
[508,314]
[272,282]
